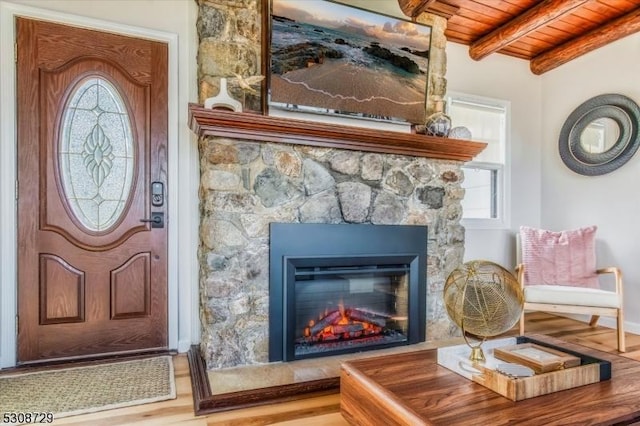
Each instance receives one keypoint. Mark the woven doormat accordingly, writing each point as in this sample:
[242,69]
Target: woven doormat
[81,390]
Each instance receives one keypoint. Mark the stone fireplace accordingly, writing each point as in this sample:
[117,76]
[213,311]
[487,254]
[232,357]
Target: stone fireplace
[247,185]
[295,175]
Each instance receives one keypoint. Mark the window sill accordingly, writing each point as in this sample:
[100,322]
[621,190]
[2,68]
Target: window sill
[484,224]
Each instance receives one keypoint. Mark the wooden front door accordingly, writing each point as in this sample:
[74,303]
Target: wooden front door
[92,163]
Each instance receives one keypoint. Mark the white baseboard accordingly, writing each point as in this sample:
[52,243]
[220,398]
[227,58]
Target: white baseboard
[608,322]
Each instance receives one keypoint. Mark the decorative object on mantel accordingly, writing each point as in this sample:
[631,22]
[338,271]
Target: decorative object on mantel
[438,123]
[246,83]
[483,299]
[600,135]
[460,132]
[223,99]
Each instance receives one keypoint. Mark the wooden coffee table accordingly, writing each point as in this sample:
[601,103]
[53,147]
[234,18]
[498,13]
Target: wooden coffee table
[412,389]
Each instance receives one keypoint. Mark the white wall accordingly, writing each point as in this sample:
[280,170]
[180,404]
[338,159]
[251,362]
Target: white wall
[175,19]
[611,201]
[502,77]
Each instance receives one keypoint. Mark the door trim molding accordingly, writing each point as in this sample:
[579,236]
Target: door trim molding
[8,167]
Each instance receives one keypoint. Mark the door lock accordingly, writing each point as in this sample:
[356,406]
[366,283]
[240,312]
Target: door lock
[157,194]
[156,220]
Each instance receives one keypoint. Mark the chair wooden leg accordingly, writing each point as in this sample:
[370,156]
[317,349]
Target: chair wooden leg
[522,323]
[594,320]
[621,338]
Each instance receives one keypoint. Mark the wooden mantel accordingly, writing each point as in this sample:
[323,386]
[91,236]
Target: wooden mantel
[249,126]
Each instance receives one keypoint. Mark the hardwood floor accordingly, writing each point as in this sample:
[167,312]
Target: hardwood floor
[320,411]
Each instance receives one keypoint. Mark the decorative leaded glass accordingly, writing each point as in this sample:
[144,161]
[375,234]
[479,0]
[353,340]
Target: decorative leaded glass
[96,154]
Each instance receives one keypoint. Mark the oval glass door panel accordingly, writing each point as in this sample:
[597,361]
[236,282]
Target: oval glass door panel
[96,154]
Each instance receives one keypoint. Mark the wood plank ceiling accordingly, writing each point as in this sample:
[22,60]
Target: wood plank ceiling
[548,33]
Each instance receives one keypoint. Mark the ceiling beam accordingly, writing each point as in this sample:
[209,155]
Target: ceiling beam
[618,28]
[413,8]
[534,18]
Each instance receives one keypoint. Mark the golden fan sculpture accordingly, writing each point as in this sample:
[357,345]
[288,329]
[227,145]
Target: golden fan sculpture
[484,300]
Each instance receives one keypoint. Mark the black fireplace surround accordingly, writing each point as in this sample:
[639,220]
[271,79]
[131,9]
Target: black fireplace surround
[370,281]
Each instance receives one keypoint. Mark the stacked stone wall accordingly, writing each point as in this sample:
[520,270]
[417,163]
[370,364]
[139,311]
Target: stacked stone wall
[245,185]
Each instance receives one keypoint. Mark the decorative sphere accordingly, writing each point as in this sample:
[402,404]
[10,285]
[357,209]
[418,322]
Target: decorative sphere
[483,298]
[459,132]
[438,124]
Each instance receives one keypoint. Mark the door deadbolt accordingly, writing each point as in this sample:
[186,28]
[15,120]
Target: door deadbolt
[156,220]
[157,194]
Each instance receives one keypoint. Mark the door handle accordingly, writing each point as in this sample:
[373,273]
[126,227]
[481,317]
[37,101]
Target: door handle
[156,220]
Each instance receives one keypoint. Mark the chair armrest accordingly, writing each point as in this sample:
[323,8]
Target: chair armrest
[617,273]
[520,274]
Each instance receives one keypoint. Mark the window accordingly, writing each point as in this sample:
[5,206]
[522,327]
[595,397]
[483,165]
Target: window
[485,194]
[96,154]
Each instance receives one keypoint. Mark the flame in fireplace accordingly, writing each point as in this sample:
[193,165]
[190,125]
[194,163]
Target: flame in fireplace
[344,324]
[344,320]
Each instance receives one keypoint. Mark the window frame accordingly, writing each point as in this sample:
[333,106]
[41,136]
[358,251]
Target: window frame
[503,170]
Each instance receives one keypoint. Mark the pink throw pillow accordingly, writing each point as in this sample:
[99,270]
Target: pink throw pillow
[559,258]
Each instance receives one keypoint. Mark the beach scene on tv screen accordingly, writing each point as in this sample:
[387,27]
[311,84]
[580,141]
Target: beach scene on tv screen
[331,58]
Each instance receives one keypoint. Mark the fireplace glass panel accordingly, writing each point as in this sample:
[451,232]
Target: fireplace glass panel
[341,288]
[345,308]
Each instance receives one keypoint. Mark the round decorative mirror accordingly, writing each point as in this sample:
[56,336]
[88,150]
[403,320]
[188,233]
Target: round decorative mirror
[600,135]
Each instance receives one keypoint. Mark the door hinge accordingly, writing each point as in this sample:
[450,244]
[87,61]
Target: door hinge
[15,52]
[16,189]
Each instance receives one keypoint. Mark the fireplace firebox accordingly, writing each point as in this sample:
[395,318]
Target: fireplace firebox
[345,288]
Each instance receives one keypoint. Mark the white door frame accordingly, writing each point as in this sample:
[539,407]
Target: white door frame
[8,169]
